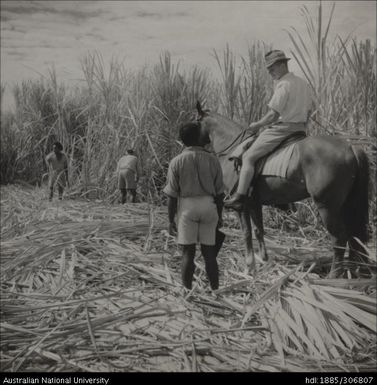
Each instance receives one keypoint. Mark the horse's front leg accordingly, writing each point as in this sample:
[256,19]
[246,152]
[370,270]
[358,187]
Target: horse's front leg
[257,218]
[245,221]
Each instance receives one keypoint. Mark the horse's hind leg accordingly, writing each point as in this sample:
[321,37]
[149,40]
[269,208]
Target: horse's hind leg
[257,218]
[358,258]
[334,223]
[245,221]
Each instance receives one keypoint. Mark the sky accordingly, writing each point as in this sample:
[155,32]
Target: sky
[36,35]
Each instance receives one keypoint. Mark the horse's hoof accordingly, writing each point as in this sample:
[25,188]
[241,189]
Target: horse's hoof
[250,270]
[260,259]
[334,274]
[250,273]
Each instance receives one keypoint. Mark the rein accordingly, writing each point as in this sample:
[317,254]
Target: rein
[239,136]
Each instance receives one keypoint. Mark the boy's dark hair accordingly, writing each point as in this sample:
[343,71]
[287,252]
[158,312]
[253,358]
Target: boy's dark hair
[58,145]
[189,134]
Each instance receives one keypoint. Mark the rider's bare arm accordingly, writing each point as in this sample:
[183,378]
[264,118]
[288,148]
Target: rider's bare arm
[271,117]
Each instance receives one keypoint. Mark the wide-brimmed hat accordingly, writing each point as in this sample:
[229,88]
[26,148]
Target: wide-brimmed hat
[274,56]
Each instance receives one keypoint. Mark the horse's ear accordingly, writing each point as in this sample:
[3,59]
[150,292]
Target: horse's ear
[199,108]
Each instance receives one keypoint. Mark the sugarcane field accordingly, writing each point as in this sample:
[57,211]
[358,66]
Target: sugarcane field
[141,233]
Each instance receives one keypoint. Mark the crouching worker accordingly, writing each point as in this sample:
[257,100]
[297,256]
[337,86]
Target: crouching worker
[128,175]
[195,193]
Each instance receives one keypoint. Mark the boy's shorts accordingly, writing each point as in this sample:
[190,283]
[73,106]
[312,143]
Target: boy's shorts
[197,220]
[127,179]
[57,179]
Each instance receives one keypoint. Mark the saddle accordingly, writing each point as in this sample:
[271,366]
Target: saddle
[236,155]
[275,163]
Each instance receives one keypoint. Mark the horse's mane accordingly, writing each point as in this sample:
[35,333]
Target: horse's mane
[225,134]
[222,120]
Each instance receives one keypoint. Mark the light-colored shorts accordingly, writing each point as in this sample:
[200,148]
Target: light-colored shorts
[57,179]
[271,137]
[197,220]
[127,179]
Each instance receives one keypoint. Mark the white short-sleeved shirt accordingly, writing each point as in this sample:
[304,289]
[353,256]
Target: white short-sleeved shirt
[292,99]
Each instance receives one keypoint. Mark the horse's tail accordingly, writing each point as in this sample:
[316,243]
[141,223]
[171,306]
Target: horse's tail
[357,204]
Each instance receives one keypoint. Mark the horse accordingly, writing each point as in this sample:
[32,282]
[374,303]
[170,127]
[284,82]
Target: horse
[328,169]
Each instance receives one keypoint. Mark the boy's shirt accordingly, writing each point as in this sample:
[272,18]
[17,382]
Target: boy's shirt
[194,172]
[56,164]
[127,162]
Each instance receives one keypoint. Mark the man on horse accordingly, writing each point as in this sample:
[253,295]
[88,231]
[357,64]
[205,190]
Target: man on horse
[289,111]
[195,187]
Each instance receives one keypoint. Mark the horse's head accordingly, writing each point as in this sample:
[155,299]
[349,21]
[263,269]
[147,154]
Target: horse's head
[205,137]
[201,112]
[207,123]
[217,129]
[224,135]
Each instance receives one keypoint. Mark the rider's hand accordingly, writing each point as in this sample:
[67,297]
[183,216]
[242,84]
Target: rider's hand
[254,128]
[237,164]
[172,229]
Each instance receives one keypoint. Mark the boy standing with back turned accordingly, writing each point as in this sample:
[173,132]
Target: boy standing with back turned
[195,191]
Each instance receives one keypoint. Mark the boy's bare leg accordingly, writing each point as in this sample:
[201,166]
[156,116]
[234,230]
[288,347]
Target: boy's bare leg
[133,195]
[212,268]
[123,198]
[60,192]
[188,266]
